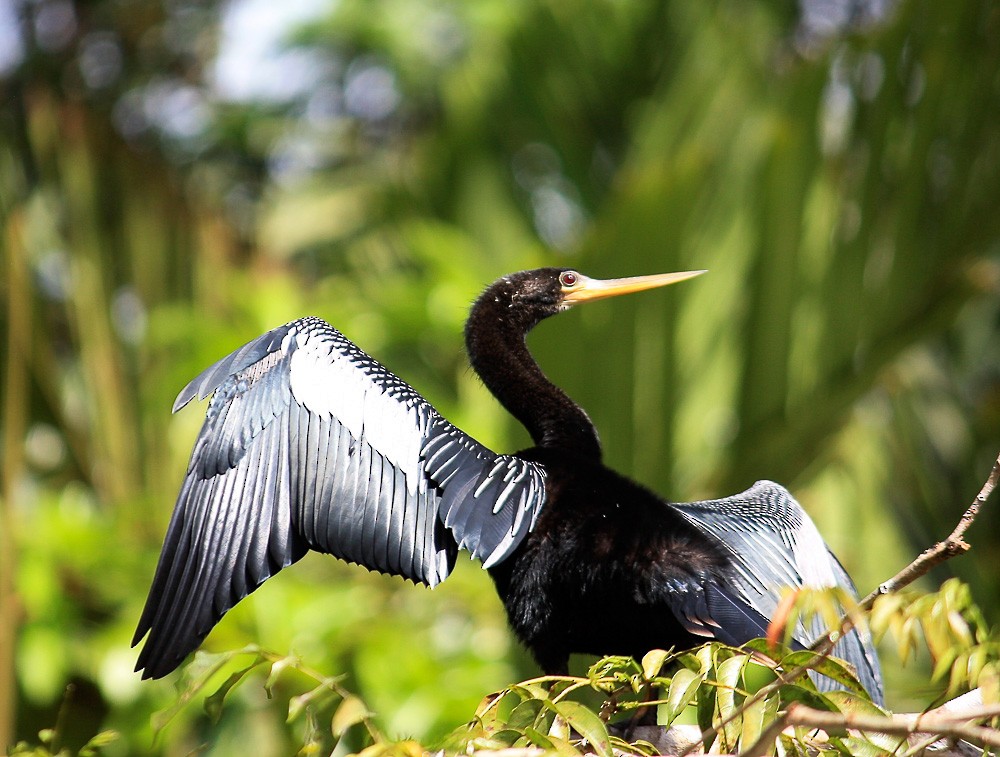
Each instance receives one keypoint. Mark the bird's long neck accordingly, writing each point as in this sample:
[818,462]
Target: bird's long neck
[499,354]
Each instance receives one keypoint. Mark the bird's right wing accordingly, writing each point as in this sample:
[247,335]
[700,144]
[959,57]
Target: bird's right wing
[773,544]
[308,443]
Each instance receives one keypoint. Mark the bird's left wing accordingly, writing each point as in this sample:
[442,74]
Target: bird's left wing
[773,544]
[308,443]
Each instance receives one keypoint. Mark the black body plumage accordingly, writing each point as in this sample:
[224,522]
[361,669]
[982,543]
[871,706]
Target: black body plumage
[308,443]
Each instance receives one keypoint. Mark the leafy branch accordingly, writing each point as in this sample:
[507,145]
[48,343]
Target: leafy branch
[205,671]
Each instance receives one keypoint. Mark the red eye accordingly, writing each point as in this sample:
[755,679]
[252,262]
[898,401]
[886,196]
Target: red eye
[568,278]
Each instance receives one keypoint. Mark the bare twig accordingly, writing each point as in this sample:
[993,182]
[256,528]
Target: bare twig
[954,545]
[930,558]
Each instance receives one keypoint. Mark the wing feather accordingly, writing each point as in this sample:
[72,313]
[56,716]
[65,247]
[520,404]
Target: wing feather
[308,443]
[773,544]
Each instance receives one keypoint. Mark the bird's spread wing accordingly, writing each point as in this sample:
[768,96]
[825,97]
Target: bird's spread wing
[773,544]
[308,443]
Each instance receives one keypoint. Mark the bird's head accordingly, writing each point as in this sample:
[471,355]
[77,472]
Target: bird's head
[529,296]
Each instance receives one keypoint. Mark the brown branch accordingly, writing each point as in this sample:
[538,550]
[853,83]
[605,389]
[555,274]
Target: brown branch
[897,725]
[929,727]
[922,728]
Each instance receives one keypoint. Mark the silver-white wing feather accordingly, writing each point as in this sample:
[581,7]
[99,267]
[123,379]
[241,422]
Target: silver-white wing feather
[774,544]
[308,443]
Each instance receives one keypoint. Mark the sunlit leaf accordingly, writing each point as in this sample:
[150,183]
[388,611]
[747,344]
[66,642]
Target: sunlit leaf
[766,649]
[101,739]
[869,742]
[277,668]
[683,689]
[351,711]
[755,719]
[729,675]
[564,748]
[303,703]
[653,661]
[989,683]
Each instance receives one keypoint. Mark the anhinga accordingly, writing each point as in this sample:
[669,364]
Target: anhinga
[311,444]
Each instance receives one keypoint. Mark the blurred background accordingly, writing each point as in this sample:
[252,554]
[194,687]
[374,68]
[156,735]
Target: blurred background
[177,176]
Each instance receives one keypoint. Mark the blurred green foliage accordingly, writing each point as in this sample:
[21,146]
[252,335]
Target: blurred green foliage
[840,181]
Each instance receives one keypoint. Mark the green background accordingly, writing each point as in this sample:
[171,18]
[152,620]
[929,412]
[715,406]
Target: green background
[839,178]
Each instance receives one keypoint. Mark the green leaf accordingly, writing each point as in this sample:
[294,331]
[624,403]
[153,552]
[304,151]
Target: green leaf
[682,691]
[585,722]
[831,667]
[507,736]
[525,714]
[860,745]
[756,718]
[763,647]
[563,747]
[729,675]
[300,703]
[848,703]
[539,739]
[102,739]
[706,709]
[530,691]
[959,677]
[706,658]
[806,694]
[989,683]
[944,662]
[497,708]
[613,667]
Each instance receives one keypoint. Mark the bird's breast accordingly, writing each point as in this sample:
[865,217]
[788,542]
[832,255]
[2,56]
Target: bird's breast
[601,550]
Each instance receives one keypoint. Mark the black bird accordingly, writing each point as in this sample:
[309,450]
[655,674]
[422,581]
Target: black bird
[311,444]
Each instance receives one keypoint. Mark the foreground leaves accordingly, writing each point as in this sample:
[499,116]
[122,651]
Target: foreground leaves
[737,698]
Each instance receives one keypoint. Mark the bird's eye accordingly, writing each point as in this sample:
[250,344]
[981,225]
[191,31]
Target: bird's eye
[569,278]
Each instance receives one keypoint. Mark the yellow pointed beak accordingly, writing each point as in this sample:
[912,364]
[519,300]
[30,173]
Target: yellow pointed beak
[586,289]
